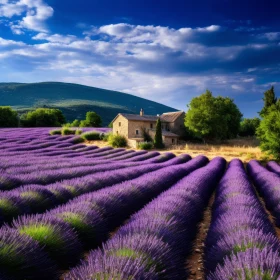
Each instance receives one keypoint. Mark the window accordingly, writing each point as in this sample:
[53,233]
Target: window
[173,141]
[120,124]
[117,132]
[137,132]
[151,126]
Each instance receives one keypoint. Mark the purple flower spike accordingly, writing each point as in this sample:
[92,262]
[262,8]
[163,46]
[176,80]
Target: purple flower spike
[241,242]
[58,238]
[21,257]
[253,264]
[111,268]
[89,224]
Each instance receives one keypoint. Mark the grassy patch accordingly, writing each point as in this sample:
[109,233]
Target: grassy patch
[44,234]
[145,145]
[117,141]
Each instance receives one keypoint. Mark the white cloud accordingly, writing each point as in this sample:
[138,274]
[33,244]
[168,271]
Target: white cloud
[33,13]
[270,36]
[237,87]
[10,43]
[164,64]
[55,38]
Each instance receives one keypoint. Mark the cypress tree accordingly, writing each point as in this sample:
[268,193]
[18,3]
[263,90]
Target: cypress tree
[269,100]
[158,143]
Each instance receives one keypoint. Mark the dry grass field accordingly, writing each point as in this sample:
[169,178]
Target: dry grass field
[245,149]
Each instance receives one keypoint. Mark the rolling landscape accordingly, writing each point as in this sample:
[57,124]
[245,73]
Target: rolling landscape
[139,140]
[71,211]
[75,100]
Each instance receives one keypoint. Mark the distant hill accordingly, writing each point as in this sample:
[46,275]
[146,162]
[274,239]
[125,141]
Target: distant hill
[75,100]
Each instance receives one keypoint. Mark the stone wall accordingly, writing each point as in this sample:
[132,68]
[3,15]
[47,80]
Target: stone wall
[120,126]
[178,127]
[138,125]
[133,143]
[167,140]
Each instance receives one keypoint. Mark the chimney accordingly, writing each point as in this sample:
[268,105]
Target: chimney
[141,113]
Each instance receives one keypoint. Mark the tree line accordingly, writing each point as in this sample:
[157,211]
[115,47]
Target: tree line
[44,117]
[218,118]
[208,118]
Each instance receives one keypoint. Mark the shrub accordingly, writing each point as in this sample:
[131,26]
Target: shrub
[8,117]
[92,135]
[67,131]
[248,127]
[55,132]
[104,136]
[77,140]
[145,145]
[146,135]
[75,123]
[117,141]
[43,117]
[78,132]
[92,120]
[269,132]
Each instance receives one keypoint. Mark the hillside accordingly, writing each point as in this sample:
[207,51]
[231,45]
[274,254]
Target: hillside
[75,100]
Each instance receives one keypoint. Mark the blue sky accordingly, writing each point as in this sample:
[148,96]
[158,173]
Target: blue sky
[166,51]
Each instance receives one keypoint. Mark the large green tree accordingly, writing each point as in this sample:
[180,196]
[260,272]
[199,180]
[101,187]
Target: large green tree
[92,120]
[43,117]
[268,131]
[269,100]
[248,127]
[212,117]
[8,117]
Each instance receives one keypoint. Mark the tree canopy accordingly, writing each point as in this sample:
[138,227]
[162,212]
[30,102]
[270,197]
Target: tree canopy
[268,131]
[212,117]
[43,117]
[8,117]
[92,120]
[248,127]
[269,100]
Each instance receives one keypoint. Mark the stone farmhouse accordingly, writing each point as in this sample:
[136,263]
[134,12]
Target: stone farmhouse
[131,126]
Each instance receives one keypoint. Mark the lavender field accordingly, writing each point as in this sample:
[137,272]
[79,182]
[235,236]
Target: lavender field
[70,211]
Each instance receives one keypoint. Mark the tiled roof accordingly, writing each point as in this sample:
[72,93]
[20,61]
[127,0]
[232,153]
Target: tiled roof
[166,117]
[166,133]
[144,118]
[169,134]
[170,117]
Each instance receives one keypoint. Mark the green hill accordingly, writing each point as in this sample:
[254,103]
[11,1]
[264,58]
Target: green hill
[75,100]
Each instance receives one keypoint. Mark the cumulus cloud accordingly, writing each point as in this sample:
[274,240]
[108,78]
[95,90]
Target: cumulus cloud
[156,62]
[32,15]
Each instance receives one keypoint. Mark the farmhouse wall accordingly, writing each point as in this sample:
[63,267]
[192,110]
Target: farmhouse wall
[120,126]
[138,125]
[133,143]
[167,140]
[178,127]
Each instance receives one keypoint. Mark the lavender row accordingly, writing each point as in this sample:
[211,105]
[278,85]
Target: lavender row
[268,184]
[37,199]
[273,167]
[59,237]
[8,181]
[241,242]
[82,162]
[156,240]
